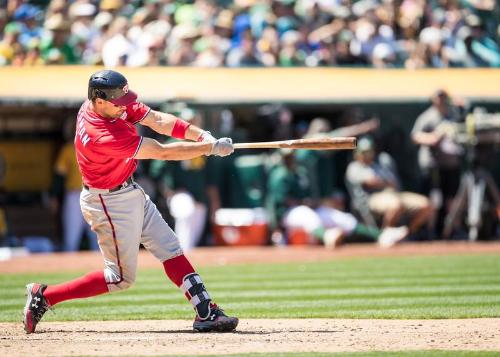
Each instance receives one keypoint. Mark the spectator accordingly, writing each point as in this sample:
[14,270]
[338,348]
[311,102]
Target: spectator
[268,47]
[288,186]
[57,47]
[117,47]
[380,183]
[9,44]
[320,165]
[28,17]
[92,54]
[4,19]
[473,47]
[272,33]
[291,54]
[181,52]
[290,200]
[438,156]
[33,55]
[244,54]
[81,15]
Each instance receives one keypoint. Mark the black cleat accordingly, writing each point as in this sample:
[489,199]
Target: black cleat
[218,321]
[36,306]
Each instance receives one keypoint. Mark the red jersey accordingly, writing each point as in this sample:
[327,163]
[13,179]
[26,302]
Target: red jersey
[105,148]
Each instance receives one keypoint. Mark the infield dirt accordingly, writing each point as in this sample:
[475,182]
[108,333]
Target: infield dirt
[175,337]
[148,338]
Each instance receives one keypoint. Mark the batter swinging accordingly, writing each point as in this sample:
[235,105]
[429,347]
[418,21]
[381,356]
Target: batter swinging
[116,207]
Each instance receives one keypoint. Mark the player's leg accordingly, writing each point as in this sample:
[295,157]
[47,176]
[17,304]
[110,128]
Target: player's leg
[117,221]
[162,242]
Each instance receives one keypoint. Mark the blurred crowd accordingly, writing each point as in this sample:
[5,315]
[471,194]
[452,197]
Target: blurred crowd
[212,33]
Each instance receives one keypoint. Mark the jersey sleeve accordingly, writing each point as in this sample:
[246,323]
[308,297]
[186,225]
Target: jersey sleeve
[118,146]
[136,112]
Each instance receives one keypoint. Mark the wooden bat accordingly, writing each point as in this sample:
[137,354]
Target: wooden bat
[339,143]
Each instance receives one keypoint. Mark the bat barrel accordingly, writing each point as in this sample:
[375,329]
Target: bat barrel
[339,143]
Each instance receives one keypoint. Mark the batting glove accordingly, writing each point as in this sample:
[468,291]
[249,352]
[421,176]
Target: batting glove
[206,137]
[222,147]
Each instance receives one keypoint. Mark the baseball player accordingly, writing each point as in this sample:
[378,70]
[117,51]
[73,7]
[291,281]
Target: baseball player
[117,208]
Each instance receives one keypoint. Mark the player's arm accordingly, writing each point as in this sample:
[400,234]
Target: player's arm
[168,124]
[152,149]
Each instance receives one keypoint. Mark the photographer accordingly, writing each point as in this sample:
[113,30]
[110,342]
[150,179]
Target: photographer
[439,156]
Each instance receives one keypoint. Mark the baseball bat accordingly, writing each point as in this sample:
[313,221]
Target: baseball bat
[339,143]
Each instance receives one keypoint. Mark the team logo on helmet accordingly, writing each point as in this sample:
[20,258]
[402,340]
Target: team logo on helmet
[125,89]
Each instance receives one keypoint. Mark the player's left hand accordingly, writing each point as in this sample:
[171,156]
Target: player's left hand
[222,147]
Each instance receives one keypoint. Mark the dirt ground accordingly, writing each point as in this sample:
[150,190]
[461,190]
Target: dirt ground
[141,338]
[174,337]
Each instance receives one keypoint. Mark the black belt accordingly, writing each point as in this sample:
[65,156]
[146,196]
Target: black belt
[126,183]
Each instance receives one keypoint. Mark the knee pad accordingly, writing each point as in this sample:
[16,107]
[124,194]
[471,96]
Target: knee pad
[198,295]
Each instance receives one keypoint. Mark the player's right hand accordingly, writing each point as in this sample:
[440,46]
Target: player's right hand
[206,137]
[222,147]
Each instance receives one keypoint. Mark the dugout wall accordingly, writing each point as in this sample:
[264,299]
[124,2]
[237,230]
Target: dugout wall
[35,102]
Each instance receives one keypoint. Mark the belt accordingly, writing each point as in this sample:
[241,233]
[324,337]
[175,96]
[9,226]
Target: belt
[126,183]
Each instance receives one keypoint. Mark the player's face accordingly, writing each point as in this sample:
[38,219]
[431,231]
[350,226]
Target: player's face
[116,111]
[108,109]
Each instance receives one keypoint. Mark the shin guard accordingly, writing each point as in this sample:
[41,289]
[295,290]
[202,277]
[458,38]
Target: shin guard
[193,287]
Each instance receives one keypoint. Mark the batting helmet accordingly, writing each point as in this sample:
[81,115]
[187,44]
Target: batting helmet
[111,86]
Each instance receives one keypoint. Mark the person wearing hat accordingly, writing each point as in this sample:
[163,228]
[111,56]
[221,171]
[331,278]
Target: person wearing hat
[28,17]
[56,47]
[376,176]
[439,156]
[118,209]
[181,51]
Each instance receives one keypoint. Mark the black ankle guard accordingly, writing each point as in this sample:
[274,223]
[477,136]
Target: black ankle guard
[198,295]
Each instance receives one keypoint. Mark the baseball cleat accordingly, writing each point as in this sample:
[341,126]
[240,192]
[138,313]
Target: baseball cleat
[36,306]
[218,321]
